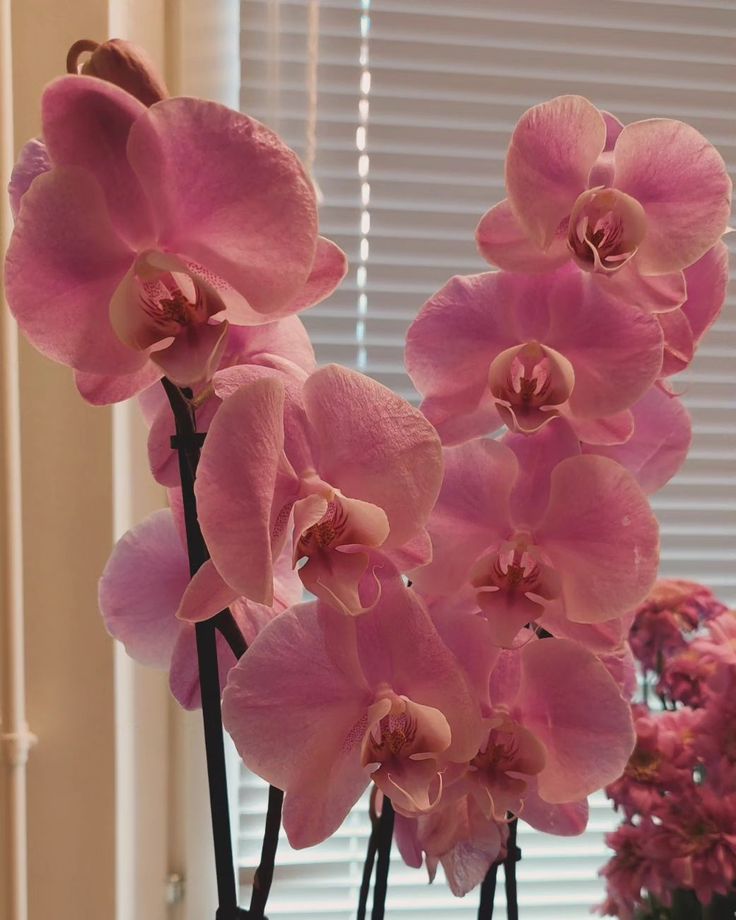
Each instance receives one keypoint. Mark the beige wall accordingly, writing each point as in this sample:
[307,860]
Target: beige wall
[67,521]
[85,794]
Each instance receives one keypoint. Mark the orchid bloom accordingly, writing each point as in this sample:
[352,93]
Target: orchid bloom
[540,695]
[379,697]
[141,589]
[535,761]
[343,465]
[632,205]
[521,350]
[150,231]
[539,527]
[549,689]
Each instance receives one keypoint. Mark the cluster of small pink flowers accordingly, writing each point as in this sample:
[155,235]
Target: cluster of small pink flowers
[172,238]
[672,612]
[678,790]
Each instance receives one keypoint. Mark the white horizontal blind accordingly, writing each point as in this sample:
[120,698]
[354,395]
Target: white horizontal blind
[417,99]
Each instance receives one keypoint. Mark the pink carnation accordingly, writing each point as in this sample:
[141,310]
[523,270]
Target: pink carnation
[673,607]
[696,841]
[634,869]
[662,762]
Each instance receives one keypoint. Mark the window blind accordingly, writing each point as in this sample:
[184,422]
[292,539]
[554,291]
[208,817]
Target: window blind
[416,102]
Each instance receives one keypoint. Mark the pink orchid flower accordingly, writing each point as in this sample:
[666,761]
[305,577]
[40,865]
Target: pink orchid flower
[521,350]
[531,735]
[379,697]
[141,589]
[344,465]
[154,231]
[632,205]
[533,528]
[279,348]
[535,761]
[550,692]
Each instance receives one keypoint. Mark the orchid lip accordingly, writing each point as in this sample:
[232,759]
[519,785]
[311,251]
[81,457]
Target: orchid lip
[605,229]
[529,383]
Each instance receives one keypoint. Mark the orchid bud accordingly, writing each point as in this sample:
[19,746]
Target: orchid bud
[122,63]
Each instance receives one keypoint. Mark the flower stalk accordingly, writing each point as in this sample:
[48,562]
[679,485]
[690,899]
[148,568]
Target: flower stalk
[187,443]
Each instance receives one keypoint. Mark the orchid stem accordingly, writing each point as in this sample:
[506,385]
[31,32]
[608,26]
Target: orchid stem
[188,443]
[365,884]
[385,836]
[513,854]
[264,873]
[488,888]
[488,893]
[370,858]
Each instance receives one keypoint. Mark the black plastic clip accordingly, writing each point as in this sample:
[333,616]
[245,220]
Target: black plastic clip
[187,441]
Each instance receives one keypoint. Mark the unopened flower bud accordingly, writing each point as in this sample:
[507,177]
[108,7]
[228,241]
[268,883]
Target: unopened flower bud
[122,63]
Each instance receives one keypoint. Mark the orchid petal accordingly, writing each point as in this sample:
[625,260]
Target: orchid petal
[462,416]
[33,160]
[383,451]
[471,514]
[328,269]
[552,150]
[141,587]
[659,444]
[184,671]
[236,482]
[205,595]
[601,536]
[481,309]
[163,460]
[194,354]
[271,345]
[561,684]
[679,345]
[706,290]
[86,123]
[568,819]
[615,349]
[303,734]
[650,293]
[537,457]
[610,429]
[102,389]
[503,242]
[399,646]
[63,264]
[682,183]
[239,202]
